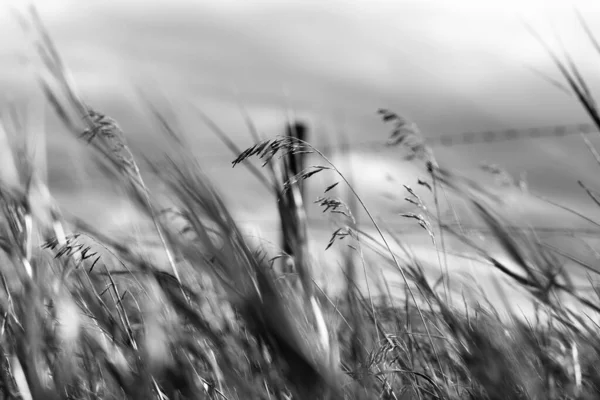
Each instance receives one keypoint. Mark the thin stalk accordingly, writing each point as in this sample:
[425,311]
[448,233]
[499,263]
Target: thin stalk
[387,245]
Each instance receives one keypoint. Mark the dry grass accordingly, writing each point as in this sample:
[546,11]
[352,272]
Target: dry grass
[85,315]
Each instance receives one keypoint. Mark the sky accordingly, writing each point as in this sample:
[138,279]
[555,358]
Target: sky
[449,66]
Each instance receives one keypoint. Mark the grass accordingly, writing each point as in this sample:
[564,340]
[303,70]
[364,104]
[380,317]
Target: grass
[85,315]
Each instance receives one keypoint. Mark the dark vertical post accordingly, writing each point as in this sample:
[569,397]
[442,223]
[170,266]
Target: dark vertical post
[293,165]
[297,130]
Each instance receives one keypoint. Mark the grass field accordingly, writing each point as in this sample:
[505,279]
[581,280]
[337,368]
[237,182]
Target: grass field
[190,306]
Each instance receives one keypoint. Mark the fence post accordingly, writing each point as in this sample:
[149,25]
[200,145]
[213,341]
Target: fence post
[293,165]
[297,130]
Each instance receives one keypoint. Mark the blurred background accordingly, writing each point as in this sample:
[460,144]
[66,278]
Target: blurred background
[450,67]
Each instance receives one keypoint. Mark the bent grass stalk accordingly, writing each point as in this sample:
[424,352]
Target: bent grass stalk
[112,143]
[379,232]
